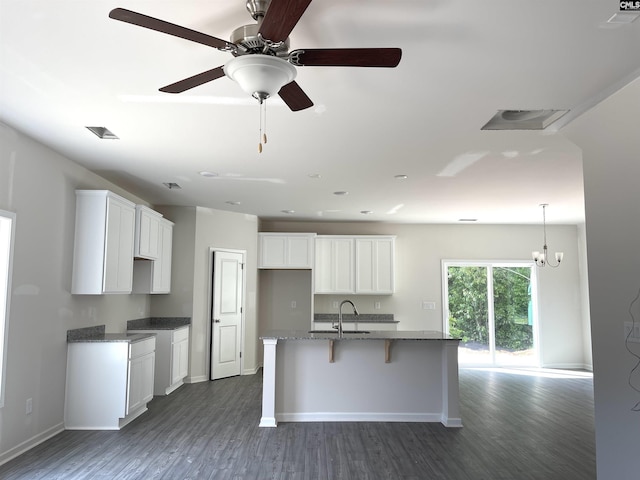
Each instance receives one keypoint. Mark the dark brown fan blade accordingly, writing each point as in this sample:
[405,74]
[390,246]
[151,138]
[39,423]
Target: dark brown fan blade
[281,17]
[346,57]
[294,97]
[165,27]
[194,81]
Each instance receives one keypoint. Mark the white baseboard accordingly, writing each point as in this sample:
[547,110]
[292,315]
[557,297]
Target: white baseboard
[251,371]
[569,366]
[30,443]
[358,417]
[198,379]
[451,422]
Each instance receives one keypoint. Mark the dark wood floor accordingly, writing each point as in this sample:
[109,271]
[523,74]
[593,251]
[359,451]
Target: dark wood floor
[516,427]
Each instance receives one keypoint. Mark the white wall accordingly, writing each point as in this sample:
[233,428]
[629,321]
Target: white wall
[197,230]
[610,144]
[420,250]
[220,229]
[179,303]
[278,288]
[39,186]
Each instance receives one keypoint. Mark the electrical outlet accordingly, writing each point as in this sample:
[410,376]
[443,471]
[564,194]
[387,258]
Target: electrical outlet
[336,305]
[376,305]
[293,304]
[428,305]
[29,406]
[632,332]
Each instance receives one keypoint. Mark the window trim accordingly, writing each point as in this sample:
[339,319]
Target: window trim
[5,315]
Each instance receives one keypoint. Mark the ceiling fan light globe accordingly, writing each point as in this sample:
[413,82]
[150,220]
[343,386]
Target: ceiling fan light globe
[260,76]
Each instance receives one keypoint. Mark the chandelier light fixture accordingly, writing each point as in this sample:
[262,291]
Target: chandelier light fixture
[542,259]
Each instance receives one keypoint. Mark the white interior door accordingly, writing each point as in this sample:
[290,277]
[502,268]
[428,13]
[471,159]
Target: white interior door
[226,321]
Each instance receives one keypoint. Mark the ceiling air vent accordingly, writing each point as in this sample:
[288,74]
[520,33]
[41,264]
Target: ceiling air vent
[523,119]
[103,132]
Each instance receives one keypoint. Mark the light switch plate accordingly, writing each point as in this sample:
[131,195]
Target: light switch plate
[634,329]
[428,305]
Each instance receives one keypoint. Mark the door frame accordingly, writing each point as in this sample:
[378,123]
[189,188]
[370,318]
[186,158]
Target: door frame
[445,263]
[212,251]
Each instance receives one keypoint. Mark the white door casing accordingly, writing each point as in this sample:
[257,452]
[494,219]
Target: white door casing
[226,319]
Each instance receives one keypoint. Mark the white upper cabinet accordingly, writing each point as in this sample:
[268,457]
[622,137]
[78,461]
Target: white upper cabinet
[354,264]
[334,267]
[286,250]
[375,265]
[103,243]
[154,276]
[147,233]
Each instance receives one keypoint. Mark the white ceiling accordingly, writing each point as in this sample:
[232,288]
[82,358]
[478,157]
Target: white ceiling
[65,65]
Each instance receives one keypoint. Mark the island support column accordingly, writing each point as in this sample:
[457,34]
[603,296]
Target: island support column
[450,385]
[269,383]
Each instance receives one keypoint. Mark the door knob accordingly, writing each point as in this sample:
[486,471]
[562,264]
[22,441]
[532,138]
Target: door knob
[217,320]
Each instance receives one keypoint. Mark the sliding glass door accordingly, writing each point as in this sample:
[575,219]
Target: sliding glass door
[491,307]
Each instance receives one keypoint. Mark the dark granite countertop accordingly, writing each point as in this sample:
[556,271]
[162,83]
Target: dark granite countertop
[158,323]
[97,334]
[371,335]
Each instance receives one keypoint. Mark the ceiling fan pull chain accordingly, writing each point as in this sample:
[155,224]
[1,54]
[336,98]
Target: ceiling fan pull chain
[264,132]
[263,118]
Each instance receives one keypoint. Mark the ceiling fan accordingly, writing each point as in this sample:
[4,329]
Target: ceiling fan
[262,63]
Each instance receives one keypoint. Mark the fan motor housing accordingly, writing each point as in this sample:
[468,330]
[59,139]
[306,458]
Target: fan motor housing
[250,41]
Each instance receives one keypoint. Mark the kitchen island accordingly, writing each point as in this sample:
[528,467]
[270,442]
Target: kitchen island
[386,376]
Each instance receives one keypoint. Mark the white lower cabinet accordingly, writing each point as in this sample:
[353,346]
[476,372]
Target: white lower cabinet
[172,358]
[108,383]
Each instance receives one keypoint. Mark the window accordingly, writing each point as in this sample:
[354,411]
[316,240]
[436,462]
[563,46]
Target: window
[492,307]
[7,222]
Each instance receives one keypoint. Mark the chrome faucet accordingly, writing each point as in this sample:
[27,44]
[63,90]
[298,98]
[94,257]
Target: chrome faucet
[355,312]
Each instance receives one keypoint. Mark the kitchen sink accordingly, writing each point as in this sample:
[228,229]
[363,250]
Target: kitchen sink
[335,331]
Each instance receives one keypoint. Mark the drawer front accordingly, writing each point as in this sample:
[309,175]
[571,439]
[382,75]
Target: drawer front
[180,334]
[143,347]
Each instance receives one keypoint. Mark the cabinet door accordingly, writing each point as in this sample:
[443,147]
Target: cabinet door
[162,266]
[118,254]
[147,233]
[294,250]
[273,251]
[179,361]
[334,265]
[141,370]
[374,265]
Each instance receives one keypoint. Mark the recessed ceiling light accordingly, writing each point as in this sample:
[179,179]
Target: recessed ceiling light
[288,212]
[314,175]
[172,186]
[103,132]
[467,219]
[366,212]
[401,177]
[208,174]
[232,202]
[341,192]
